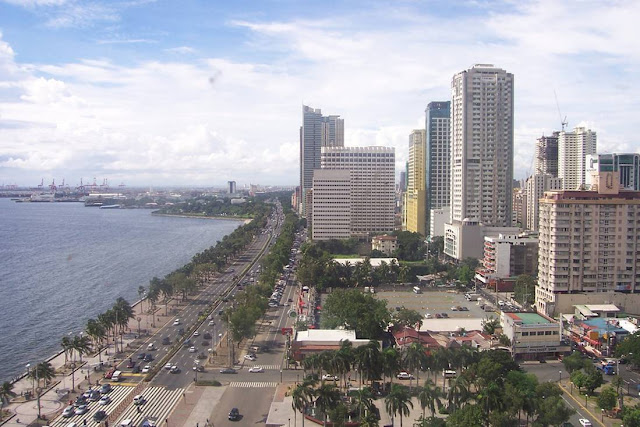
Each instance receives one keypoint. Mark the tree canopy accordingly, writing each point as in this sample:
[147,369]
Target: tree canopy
[353,309]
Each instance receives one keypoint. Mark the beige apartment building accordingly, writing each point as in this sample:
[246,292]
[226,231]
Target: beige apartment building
[331,204]
[416,220]
[589,248]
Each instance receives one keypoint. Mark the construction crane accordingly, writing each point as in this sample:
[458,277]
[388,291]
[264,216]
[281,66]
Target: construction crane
[564,121]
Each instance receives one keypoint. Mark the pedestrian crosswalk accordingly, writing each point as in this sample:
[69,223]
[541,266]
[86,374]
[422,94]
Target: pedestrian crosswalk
[253,384]
[117,395]
[159,403]
[266,367]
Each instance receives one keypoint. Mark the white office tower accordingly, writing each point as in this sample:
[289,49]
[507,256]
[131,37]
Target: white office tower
[536,186]
[317,131]
[482,146]
[573,149]
[625,164]
[331,213]
[372,185]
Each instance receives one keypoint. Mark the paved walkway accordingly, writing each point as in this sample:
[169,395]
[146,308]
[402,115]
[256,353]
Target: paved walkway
[59,391]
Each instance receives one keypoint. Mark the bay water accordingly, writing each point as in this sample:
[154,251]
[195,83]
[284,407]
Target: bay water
[63,263]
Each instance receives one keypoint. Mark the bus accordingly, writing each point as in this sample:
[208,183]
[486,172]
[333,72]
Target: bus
[417,290]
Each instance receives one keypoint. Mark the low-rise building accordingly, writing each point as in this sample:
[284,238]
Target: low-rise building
[533,336]
[597,336]
[590,311]
[385,244]
[315,341]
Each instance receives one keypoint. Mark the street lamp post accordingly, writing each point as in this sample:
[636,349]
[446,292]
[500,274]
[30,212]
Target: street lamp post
[560,374]
[73,376]
[602,415]
[139,319]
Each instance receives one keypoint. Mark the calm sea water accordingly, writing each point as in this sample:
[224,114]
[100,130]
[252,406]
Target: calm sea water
[63,263]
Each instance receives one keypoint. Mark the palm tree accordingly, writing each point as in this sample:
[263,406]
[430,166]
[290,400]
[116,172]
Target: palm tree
[364,397]
[141,292]
[368,361]
[66,347]
[390,362]
[342,360]
[97,332]
[81,344]
[414,359]
[45,371]
[398,401]
[327,396]
[302,395]
[6,393]
[429,396]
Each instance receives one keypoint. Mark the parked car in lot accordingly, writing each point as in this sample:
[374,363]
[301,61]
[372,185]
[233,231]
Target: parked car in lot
[444,315]
[329,377]
[404,376]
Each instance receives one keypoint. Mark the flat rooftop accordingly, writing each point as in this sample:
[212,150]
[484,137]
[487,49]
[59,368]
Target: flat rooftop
[530,318]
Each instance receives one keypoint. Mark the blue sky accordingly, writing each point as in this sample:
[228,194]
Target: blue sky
[200,92]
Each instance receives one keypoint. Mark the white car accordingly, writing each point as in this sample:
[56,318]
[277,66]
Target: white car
[329,377]
[192,349]
[69,412]
[211,323]
[146,369]
[139,400]
[428,316]
[250,357]
[176,322]
[104,400]
[404,376]
[168,366]
[196,334]
[585,422]
[256,369]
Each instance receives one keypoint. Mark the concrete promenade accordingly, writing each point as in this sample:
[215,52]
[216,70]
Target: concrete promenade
[56,396]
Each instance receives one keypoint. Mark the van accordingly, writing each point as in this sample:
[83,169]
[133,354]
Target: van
[117,376]
[448,373]
[151,347]
[127,423]
[417,290]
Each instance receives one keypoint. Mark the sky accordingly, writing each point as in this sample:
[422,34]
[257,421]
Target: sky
[199,92]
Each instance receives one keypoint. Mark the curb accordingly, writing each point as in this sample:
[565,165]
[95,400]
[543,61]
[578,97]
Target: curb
[595,418]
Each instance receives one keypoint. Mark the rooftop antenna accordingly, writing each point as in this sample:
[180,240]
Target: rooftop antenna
[564,121]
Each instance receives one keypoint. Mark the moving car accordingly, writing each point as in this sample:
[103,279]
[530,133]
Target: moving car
[139,400]
[105,388]
[168,366]
[69,411]
[585,422]
[131,364]
[196,334]
[142,355]
[82,409]
[192,349]
[146,369]
[176,322]
[211,323]
[234,414]
[251,357]
[99,416]
[404,376]
[175,370]
[256,369]
[148,357]
[198,368]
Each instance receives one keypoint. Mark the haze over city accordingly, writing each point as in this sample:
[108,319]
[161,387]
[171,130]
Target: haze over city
[198,93]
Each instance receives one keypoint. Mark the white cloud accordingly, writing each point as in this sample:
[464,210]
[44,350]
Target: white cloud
[209,119]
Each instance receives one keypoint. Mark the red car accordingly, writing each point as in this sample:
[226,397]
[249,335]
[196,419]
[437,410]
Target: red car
[131,364]
[109,373]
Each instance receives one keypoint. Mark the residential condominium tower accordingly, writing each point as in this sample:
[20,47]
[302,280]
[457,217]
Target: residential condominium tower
[589,249]
[438,167]
[573,149]
[482,146]
[415,199]
[317,131]
[546,156]
[372,185]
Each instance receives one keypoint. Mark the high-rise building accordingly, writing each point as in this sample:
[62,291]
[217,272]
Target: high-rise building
[573,149]
[331,213]
[536,186]
[372,185]
[519,204]
[546,156]
[317,131]
[438,168]
[232,187]
[589,247]
[482,145]
[627,165]
[415,200]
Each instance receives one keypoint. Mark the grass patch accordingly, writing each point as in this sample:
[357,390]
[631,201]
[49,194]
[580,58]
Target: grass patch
[212,383]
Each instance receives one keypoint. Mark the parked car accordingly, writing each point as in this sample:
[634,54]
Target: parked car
[329,377]
[198,368]
[404,376]
[585,422]
[444,315]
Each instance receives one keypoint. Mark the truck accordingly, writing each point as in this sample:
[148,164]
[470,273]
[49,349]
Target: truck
[607,367]
[472,297]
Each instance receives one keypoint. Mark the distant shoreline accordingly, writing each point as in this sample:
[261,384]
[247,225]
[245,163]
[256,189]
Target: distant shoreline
[228,218]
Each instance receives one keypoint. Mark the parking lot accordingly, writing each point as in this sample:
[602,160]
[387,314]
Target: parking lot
[432,302]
